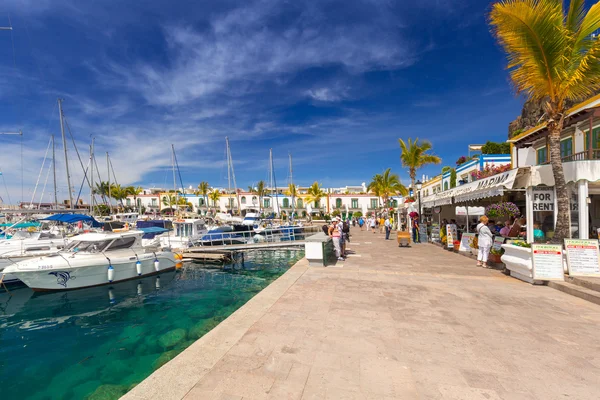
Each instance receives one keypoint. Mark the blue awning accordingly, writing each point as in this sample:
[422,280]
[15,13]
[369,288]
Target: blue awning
[73,218]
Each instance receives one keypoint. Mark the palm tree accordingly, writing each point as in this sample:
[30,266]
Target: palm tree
[552,58]
[375,186]
[203,190]
[135,191]
[261,191]
[314,193]
[415,155]
[215,195]
[119,192]
[292,191]
[174,200]
[386,185]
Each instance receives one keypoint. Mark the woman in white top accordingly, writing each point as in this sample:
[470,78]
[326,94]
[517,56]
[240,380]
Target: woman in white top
[485,241]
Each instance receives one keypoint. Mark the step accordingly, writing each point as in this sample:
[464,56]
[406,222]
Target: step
[591,283]
[577,291]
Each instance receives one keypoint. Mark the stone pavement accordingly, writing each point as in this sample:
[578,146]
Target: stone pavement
[393,323]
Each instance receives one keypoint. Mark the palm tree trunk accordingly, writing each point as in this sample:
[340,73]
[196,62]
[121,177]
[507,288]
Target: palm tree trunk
[562,229]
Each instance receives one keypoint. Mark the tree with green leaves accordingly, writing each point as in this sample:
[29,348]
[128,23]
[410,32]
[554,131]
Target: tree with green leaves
[135,191]
[414,155]
[314,193]
[386,185]
[553,57]
[261,191]
[204,190]
[214,195]
[292,191]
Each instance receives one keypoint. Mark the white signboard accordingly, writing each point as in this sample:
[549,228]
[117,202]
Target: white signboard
[543,198]
[465,240]
[498,242]
[547,262]
[582,257]
[451,235]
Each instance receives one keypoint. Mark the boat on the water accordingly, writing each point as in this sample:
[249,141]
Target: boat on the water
[94,259]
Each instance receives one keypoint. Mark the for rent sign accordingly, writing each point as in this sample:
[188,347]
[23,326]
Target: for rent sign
[543,198]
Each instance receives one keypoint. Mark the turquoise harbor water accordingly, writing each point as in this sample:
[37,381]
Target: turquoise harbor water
[98,343]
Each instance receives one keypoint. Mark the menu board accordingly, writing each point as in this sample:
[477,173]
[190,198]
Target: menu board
[465,240]
[547,262]
[423,233]
[451,235]
[435,233]
[498,242]
[582,257]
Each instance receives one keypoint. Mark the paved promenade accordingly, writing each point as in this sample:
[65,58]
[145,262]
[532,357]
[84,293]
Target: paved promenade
[393,323]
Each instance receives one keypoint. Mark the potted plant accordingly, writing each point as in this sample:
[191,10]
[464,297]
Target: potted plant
[456,245]
[502,209]
[495,256]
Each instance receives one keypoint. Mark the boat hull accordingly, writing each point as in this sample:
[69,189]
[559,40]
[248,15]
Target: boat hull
[70,278]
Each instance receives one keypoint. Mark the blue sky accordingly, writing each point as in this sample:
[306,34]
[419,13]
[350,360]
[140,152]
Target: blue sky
[336,83]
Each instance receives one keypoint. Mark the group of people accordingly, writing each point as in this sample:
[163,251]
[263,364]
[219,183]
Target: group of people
[339,231]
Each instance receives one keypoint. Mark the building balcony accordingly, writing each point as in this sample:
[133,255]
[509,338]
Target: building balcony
[594,154]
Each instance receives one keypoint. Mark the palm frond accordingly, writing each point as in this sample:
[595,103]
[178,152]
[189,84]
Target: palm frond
[575,15]
[533,36]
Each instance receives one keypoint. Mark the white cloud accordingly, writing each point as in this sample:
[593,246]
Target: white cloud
[243,48]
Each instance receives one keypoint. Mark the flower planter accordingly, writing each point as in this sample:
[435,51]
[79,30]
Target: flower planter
[520,264]
[495,258]
[518,261]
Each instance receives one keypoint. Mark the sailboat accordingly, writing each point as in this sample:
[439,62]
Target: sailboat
[288,231]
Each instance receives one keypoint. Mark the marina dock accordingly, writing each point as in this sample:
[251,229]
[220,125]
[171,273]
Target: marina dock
[391,323]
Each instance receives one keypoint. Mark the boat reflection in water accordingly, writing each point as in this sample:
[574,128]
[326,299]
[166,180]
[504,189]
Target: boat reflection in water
[99,342]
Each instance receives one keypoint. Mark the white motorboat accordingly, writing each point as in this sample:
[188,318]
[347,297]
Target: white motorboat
[94,259]
[185,233]
[24,244]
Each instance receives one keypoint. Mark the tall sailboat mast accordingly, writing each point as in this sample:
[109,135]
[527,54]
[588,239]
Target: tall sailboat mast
[64,140]
[174,176]
[92,178]
[273,182]
[231,174]
[108,183]
[291,185]
[54,173]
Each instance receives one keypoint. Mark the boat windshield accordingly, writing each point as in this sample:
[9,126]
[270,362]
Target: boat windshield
[88,247]
[183,230]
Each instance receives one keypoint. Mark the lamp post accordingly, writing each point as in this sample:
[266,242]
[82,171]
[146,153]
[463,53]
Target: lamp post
[418,186]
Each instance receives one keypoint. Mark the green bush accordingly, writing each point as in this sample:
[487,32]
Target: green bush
[496,148]
[357,214]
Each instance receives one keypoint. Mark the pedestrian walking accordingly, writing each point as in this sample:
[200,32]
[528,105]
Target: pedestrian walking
[335,233]
[361,222]
[388,228]
[415,230]
[484,240]
[374,224]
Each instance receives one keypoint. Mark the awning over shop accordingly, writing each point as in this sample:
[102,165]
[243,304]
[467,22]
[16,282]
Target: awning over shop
[574,172]
[435,200]
[487,187]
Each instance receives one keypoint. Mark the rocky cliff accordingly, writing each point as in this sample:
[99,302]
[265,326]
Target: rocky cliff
[531,115]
